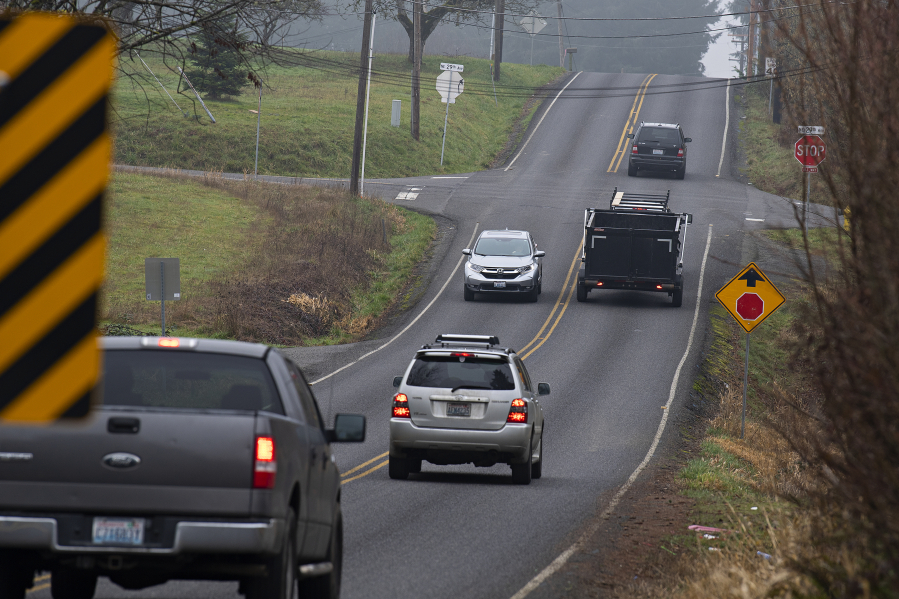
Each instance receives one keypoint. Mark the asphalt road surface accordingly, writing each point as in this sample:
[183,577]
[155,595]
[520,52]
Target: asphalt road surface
[454,532]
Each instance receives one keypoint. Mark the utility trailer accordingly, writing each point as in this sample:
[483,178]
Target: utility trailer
[638,243]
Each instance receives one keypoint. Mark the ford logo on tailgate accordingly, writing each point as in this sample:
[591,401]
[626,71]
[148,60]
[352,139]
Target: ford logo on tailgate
[121,460]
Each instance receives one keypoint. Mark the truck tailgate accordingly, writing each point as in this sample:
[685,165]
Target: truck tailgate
[126,461]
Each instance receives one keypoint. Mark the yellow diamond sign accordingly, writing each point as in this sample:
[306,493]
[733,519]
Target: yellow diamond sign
[750,297]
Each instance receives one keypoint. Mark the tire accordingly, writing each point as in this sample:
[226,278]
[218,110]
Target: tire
[521,473]
[73,584]
[537,467]
[680,174]
[677,298]
[468,294]
[414,465]
[281,580]
[532,295]
[540,287]
[328,585]
[631,170]
[581,293]
[397,468]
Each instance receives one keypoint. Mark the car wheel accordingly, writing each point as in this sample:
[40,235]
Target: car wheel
[537,467]
[468,294]
[521,473]
[73,584]
[14,579]
[631,170]
[682,172]
[532,295]
[280,580]
[397,468]
[327,586]
[540,287]
[581,293]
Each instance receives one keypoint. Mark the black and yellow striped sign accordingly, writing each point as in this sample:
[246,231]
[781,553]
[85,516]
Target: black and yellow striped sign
[55,150]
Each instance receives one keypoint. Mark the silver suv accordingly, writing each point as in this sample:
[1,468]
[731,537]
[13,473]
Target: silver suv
[465,400]
[504,262]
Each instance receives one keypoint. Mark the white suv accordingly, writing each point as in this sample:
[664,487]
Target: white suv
[464,400]
[504,262]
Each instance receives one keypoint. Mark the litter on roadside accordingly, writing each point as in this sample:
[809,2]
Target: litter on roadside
[699,528]
[763,554]
[708,536]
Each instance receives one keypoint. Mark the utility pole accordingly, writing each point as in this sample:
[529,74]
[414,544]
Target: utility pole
[750,57]
[561,47]
[360,101]
[416,66]
[500,13]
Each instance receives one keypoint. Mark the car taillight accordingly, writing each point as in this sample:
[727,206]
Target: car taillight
[518,412]
[169,342]
[265,466]
[680,152]
[658,286]
[599,284]
[401,406]
[634,149]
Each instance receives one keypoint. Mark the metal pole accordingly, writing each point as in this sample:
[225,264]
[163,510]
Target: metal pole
[561,48]
[492,37]
[770,95]
[808,193]
[258,119]
[160,83]
[446,119]
[371,45]
[162,293]
[191,85]
[745,385]
[532,49]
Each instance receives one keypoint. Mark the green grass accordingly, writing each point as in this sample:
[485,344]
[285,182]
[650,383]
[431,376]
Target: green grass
[308,118]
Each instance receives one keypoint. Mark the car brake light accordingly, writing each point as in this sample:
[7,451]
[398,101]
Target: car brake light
[599,284]
[658,286]
[518,413]
[169,342]
[401,406]
[634,149]
[265,466]
[462,354]
[680,152]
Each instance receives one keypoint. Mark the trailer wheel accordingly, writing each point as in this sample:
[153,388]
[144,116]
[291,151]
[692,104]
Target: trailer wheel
[581,293]
[677,298]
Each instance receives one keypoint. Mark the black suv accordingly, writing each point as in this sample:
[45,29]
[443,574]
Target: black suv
[658,147]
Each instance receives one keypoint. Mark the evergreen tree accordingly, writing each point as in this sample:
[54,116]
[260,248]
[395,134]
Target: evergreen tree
[216,57]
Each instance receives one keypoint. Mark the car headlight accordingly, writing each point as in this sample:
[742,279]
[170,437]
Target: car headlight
[527,268]
[474,267]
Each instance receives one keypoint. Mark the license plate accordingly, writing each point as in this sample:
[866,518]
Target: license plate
[118,531]
[499,284]
[458,409]
[658,151]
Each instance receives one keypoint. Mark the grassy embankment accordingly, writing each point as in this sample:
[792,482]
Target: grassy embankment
[271,263]
[308,116]
[753,487]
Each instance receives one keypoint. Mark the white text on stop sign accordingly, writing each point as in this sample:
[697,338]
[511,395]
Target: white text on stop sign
[807,150]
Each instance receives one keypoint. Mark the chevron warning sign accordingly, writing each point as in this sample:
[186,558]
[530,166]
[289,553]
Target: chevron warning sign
[55,75]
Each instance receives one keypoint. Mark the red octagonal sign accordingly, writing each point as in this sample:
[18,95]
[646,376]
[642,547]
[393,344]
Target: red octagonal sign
[810,150]
[750,306]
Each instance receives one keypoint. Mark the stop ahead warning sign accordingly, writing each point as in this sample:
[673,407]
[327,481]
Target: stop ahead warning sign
[750,297]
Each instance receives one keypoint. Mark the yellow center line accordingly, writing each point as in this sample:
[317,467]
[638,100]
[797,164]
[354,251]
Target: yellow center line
[39,587]
[558,319]
[366,473]
[42,577]
[364,464]
[537,337]
[631,121]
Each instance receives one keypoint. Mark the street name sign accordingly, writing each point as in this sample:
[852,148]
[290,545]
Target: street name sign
[811,130]
[54,165]
[750,297]
[450,84]
[446,66]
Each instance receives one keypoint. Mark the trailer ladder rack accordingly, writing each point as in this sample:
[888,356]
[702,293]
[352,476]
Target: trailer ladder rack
[639,201]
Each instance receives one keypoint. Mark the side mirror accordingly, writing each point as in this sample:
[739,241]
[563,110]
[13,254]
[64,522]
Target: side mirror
[396,381]
[630,136]
[543,389]
[687,140]
[348,428]
[539,254]
[689,219]
[467,252]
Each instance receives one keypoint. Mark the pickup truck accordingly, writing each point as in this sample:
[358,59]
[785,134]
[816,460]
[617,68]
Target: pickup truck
[204,460]
[638,243]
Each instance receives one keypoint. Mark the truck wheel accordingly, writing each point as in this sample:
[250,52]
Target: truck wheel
[73,584]
[281,579]
[328,585]
[468,294]
[677,298]
[521,473]
[14,579]
[581,293]
[537,467]
[397,468]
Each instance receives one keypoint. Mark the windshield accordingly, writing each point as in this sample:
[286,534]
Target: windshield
[658,135]
[497,246]
[188,380]
[461,372]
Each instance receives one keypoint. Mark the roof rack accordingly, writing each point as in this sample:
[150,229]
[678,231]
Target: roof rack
[485,341]
[639,201]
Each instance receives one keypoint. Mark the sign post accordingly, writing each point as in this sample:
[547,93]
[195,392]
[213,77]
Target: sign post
[810,150]
[750,297]
[771,73]
[449,85]
[162,278]
[532,23]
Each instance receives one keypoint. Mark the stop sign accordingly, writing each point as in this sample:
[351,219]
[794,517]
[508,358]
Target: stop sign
[810,150]
[750,306]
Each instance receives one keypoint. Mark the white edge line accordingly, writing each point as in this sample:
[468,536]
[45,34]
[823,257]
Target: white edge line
[541,121]
[726,125]
[565,555]
[449,177]
[758,220]
[408,326]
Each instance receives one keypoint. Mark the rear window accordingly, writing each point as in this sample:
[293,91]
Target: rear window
[497,246]
[656,134]
[465,372]
[188,380]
